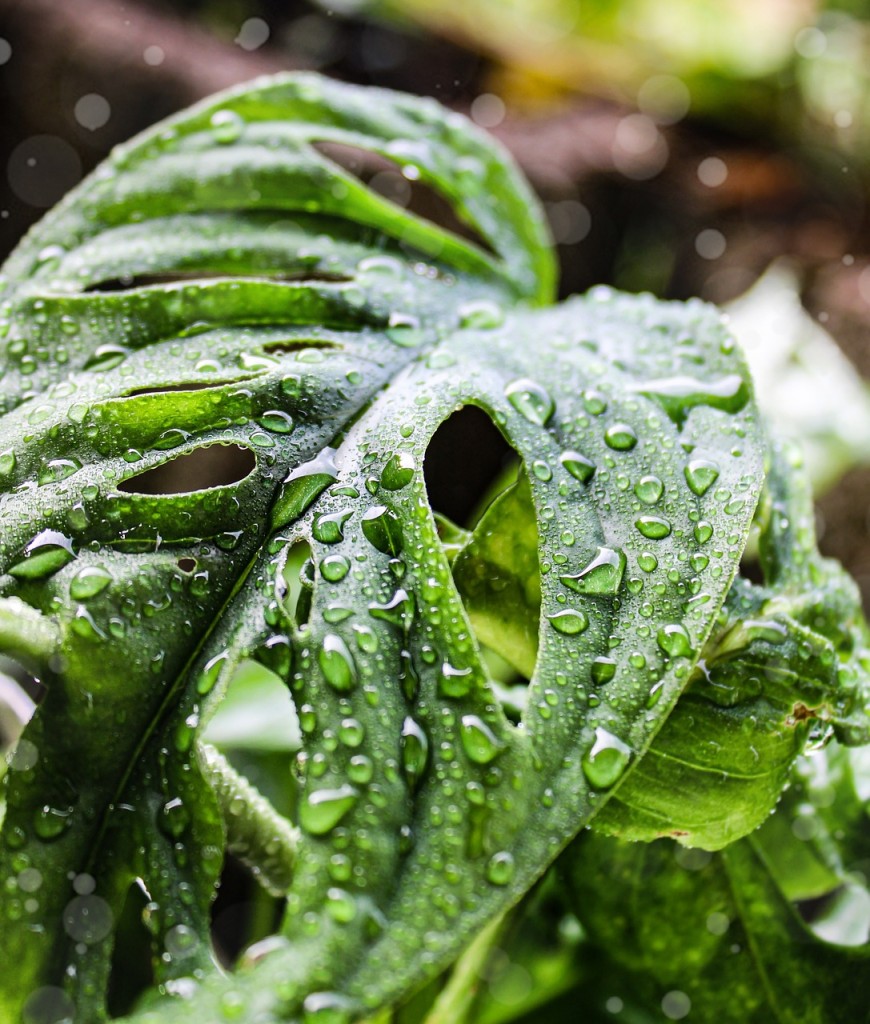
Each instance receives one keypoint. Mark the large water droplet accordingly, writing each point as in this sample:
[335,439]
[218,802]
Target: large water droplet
[531,400]
[481,315]
[455,682]
[701,474]
[679,395]
[620,437]
[653,527]
[51,822]
[606,761]
[578,466]
[398,472]
[302,486]
[89,582]
[45,554]
[334,568]
[329,527]
[415,751]
[398,611]
[337,664]
[323,809]
[602,575]
[226,126]
[674,640]
[569,622]
[649,489]
[381,528]
[478,740]
[500,868]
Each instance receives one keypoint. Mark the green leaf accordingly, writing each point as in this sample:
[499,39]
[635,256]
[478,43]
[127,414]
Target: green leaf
[222,299]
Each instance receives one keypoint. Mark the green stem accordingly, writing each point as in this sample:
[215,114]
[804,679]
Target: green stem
[26,634]
[261,838]
[458,995]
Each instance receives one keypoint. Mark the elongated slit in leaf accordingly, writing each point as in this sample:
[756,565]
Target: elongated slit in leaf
[386,177]
[215,465]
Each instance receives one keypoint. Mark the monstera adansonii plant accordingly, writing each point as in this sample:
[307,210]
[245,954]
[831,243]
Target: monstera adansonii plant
[583,653]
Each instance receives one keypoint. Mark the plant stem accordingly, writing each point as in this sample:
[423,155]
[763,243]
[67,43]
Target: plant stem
[458,995]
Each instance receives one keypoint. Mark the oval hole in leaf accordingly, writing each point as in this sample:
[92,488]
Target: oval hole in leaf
[242,913]
[214,465]
[299,579]
[385,177]
[130,282]
[467,463]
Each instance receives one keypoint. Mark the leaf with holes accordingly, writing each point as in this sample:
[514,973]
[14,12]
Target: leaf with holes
[228,362]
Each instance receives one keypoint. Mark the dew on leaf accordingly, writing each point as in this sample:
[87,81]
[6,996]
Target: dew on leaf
[323,809]
[398,472]
[329,527]
[334,568]
[703,531]
[578,466]
[653,527]
[531,400]
[478,740]
[337,664]
[601,575]
[569,622]
[620,437]
[340,905]
[481,315]
[398,611]
[679,395]
[649,489]
[603,670]
[701,474]
[382,529]
[415,751]
[45,554]
[89,582]
[454,682]
[500,868]
[276,420]
[606,761]
[51,822]
[227,126]
[674,640]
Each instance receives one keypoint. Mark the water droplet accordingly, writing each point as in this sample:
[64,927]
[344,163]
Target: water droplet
[381,528]
[649,489]
[674,641]
[578,466]
[210,673]
[404,330]
[647,561]
[174,818]
[653,527]
[323,809]
[276,420]
[337,663]
[603,670]
[55,470]
[602,575]
[51,822]
[340,905]
[351,732]
[415,751]
[398,472]
[46,553]
[594,402]
[500,868]
[334,568]
[569,622]
[227,126]
[679,395]
[701,474]
[7,462]
[479,741]
[302,486]
[398,611]
[481,315]
[360,769]
[606,761]
[530,400]
[455,682]
[327,1008]
[620,437]
[329,527]
[703,531]
[89,582]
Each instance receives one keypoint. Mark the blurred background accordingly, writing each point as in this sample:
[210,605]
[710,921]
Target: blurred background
[718,148]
